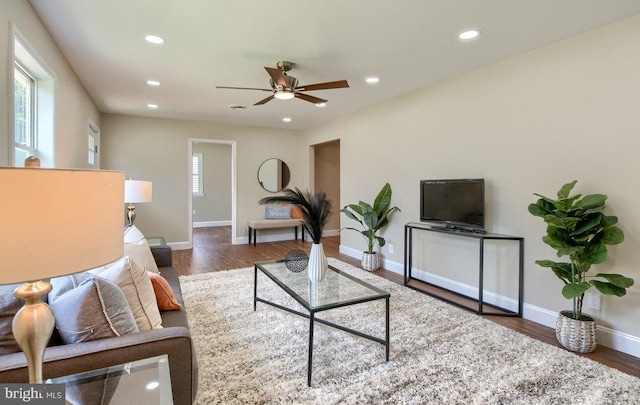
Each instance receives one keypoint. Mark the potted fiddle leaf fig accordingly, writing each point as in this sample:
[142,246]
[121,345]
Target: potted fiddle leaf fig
[372,219]
[578,229]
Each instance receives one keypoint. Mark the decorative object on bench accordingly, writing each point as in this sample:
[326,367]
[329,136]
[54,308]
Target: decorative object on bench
[277,212]
[372,219]
[136,191]
[45,234]
[273,175]
[296,260]
[577,227]
[316,209]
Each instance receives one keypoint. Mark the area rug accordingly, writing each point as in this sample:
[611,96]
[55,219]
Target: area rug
[440,354]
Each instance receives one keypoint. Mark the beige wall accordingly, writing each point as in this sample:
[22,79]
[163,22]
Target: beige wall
[216,203]
[73,106]
[157,150]
[528,124]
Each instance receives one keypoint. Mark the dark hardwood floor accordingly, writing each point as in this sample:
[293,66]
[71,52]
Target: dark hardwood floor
[213,251]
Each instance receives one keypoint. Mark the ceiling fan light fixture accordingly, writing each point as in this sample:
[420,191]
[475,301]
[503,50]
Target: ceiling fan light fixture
[284,95]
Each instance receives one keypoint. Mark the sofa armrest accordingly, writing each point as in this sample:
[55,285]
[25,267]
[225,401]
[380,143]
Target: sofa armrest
[162,255]
[77,358]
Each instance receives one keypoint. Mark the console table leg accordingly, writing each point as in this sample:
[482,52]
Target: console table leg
[387,330]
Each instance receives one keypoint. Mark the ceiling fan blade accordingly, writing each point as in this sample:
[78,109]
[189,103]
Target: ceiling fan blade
[276,76]
[311,99]
[324,86]
[264,101]
[242,88]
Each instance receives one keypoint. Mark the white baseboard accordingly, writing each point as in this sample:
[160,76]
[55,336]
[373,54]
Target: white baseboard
[208,224]
[180,245]
[619,341]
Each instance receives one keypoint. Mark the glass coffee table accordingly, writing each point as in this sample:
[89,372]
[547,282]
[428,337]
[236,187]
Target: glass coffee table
[338,289]
[138,382]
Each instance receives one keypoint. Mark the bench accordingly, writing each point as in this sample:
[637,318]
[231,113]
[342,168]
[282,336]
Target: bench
[255,224]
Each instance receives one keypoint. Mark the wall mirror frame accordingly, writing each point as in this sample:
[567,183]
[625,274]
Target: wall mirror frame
[274,175]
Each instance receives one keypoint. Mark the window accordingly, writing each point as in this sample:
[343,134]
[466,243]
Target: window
[196,175]
[24,113]
[33,105]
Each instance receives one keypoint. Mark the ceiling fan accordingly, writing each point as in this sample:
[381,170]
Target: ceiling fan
[285,87]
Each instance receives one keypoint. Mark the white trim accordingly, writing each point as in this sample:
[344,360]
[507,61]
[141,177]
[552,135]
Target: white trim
[613,339]
[208,224]
[180,245]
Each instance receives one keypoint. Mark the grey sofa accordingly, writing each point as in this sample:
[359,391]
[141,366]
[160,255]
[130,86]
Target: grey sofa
[174,339]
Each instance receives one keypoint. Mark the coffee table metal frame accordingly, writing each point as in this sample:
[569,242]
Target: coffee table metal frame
[376,294]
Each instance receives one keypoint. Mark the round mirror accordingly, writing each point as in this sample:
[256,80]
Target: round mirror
[274,175]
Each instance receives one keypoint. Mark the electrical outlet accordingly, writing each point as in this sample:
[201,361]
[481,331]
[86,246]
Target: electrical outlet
[194,212]
[593,300]
[390,247]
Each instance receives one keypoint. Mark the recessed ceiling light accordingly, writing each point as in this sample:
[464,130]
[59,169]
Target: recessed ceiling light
[321,105]
[152,106]
[154,39]
[153,83]
[286,119]
[469,35]
[372,79]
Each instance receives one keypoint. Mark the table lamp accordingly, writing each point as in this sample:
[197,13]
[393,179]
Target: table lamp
[54,223]
[136,191]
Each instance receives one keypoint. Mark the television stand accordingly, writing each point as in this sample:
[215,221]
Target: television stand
[476,305]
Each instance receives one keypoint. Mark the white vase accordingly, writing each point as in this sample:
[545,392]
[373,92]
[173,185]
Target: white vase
[317,267]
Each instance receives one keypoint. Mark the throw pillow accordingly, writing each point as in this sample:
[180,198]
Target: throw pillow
[277,212]
[9,306]
[132,278]
[136,246]
[296,212]
[132,234]
[164,293]
[96,309]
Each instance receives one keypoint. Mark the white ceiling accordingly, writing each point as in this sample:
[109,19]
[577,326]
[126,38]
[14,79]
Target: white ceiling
[409,44]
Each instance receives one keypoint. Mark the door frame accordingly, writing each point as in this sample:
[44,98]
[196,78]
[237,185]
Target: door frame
[234,189]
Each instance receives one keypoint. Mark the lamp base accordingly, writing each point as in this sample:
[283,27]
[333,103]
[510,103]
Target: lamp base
[32,326]
[131,215]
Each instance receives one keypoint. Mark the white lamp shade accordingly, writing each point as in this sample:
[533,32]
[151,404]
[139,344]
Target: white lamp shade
[137,191]
[56,222]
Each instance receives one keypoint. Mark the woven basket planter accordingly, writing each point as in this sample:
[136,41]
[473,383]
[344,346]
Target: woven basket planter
[370,261]
[577,335]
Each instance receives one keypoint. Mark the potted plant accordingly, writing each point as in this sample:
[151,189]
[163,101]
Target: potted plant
[372,219]
[316,209]
[578,228]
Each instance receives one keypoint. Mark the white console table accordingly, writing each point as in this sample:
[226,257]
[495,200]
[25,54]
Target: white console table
[481,237]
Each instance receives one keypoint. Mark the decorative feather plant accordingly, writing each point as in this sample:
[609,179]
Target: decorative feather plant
[315,208]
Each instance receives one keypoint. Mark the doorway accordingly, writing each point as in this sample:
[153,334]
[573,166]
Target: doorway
[326,177]
[208,170]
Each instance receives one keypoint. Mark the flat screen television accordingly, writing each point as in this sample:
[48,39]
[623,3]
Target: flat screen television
[457,204]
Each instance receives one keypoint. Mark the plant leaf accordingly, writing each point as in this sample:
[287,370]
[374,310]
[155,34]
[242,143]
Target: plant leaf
[609,289]
[382,199]
[612,235]
[566,189]
[616,279]
[575,290]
